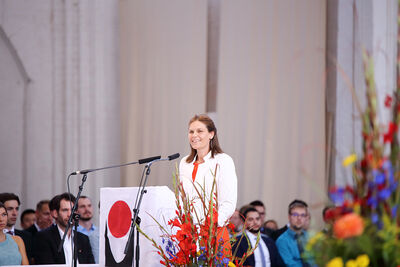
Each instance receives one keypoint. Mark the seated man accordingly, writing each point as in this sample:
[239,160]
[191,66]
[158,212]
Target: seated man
[292,242]
[43,217]
[260,207]
[86,225]
[48,240]
[27,218]
[266,253]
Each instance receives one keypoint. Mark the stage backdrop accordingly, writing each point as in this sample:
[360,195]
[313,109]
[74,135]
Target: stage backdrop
[115,220]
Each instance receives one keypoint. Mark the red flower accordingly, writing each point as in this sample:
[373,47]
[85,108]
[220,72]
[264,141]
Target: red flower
[388,137]
[388,101]
[175,222]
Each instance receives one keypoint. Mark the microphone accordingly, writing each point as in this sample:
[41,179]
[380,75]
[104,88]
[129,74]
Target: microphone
[173,156]
[82,172]
[141,161]
[170,157]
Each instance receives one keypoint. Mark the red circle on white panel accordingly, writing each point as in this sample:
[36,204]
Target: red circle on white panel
[119,219]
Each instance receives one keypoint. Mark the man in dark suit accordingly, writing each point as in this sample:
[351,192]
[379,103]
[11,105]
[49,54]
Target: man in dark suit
[48,240]
[43,217]
[12,203]
[266,254]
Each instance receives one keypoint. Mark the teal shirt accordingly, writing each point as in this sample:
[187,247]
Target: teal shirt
[9,252]
[287,247]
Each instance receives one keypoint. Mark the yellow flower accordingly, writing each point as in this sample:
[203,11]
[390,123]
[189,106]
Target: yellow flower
[349,160]
[362,260]
[314,240]
[351,263]
[335,262]
[231,264]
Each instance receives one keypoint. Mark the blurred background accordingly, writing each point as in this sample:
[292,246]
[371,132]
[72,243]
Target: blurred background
[87,84]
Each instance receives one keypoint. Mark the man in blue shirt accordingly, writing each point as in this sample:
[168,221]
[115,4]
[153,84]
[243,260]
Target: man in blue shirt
[86,226]
[292,242]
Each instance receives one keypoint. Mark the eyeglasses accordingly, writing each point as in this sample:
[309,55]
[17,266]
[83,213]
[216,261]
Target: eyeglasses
[297,215]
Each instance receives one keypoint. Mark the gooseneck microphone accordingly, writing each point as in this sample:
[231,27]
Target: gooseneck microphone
[140,161]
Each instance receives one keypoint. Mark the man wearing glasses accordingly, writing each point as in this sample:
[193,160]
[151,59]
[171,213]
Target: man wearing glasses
[292,242]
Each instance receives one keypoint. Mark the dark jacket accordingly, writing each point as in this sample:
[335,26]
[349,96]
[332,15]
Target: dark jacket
[242,247]
[27,238]
[46,247]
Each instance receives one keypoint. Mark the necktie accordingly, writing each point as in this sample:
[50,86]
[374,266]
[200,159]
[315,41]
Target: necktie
[301,249]
[263,261]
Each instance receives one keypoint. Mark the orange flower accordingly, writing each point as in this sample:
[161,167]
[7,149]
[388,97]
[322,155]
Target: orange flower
[348,225]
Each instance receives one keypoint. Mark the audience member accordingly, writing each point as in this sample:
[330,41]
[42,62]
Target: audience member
[237,221]
[11,203]
[43,217]
[47,241]
[291,243]
[12,247]
[271,224]
[259,206]
[266,253]
[86,226]
[27,218]
[52,207]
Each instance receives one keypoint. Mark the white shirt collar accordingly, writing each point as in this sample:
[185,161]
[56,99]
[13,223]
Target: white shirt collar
[68,246]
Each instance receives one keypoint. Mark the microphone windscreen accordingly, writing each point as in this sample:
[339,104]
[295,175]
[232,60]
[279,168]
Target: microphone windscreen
[174,156]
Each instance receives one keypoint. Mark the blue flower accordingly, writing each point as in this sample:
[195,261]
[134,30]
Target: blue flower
[337,197]
[374,218]
[379,178]
[384,193]
[394,211]
[372,201]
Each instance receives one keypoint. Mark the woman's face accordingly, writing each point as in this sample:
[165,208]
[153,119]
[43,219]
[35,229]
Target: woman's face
[3,218]
[199,136]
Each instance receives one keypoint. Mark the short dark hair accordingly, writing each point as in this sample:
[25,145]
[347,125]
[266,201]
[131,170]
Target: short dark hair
[9,196]
[257,203]
[297,203]
[2,206]
[41,203]
[247,210]
[64,196]
[26,212]
[52,203]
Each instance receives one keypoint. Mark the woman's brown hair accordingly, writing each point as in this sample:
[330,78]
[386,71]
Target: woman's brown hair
[214,144]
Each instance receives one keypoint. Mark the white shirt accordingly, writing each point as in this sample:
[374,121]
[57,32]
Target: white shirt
[5,230]
[67,247]
[257,252]
[226,184]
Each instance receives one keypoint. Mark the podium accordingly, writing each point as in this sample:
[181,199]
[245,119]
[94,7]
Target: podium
[116,205]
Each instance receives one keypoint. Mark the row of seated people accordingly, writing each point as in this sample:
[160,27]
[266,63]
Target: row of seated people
[276,247]
[39,243]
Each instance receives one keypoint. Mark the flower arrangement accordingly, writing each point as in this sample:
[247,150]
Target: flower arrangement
[365,221]
[192,241]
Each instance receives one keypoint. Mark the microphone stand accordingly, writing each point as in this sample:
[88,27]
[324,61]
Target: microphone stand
[74,217]
[136,219]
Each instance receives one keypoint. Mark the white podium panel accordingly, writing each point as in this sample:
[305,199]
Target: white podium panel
[116,212]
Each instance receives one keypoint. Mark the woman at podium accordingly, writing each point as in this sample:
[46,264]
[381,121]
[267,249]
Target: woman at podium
[205,162]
